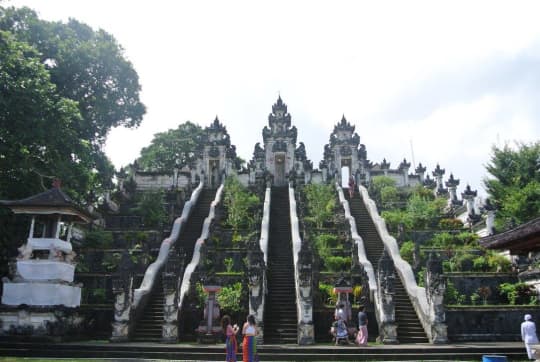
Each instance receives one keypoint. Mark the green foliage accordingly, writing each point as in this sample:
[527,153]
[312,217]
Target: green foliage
[229,263]
[517,293]
[337,263]
[324,242]
[328,296]
[110,261]
[395,217]
[230,298]
[99,239]
[241,204]
[450,224]
[65,80]
[514,182]
[452,296]
[378,184]
[425,212]
[407,251]
[321,201]
[172,148]
[475,297]
[150,205]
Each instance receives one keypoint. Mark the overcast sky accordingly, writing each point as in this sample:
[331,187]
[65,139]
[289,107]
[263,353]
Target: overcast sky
[432,82]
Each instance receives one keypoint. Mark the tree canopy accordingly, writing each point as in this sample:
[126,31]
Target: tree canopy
[63,86]
[172,148]
[514,182]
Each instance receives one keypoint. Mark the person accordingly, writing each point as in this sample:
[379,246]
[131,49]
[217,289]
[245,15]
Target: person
[339,312]
[352,186]
[361,337]
[249,346]
[231,345]
[528,334]
[342,333]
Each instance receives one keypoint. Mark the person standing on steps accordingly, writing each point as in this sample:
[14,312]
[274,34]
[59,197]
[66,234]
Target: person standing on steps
[352,186]
[528,334]
[249,345]
[362,336]
[231,346]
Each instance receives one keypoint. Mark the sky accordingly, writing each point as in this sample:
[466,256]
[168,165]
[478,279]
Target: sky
[431,81]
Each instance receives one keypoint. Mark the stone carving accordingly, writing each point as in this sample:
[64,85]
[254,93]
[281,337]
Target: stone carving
[435,287]
[385,283]
[122,284]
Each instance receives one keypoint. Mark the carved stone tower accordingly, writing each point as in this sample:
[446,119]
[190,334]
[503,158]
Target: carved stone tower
[216,155]
[280,159]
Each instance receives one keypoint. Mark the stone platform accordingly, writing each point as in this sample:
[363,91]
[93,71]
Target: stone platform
[104,350]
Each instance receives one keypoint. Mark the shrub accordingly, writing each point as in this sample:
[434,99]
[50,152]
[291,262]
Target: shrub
[240,203]
[150,206]
[327,294]
[517,293]
[337,263]
[498,262]
[98,239]
[229,298]
[321,201]
[407,251]
[450,224]
[452,296]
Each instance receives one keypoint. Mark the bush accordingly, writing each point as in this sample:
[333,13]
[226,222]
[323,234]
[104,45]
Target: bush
[517,293]
[338,263]
[98,239]
[450,224]
[407,251]
[229,298]
[452,296]
[241,204]
[327,294]
[321,201]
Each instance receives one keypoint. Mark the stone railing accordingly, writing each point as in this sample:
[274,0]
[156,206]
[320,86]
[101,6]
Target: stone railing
[303,280]
[257,273]
[154,268]
[426,311]
[190,268]
[362,256]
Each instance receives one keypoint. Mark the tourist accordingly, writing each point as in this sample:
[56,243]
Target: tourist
[230,342]
[339,313]
[361,337]
[249,345]
[352,186]
[342,333]
[528,334]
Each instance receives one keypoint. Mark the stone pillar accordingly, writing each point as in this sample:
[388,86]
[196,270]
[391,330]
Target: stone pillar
[438,174]
[452,185]
[490,217]
[257,285]
[469,195]
[387,316]
[169,332]
[122,284]
[404,168]
[420,172]
[306,332]
[435,287]
[123,299]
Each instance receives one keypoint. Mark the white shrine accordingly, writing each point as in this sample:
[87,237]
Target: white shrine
[44,270]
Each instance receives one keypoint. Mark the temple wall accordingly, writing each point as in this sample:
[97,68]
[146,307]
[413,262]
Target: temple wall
[157,181]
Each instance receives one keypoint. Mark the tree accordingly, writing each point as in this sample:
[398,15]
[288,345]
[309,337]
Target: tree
[91,86]
[173,148]
[87,66]
[321,201]
[36,134]
[514,182]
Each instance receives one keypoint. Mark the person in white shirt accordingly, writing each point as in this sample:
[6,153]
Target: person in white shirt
[528,334]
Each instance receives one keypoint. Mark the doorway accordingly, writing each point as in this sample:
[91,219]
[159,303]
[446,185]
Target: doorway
[279,164]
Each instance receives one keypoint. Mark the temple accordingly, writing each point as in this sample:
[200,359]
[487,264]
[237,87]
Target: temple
[167,289]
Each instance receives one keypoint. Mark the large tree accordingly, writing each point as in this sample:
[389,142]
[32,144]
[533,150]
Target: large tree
[81,65]
[36,134]
[172,148]
[514,182]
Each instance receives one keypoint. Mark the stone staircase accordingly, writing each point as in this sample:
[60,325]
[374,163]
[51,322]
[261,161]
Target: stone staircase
[514,351]
[409,328]
[148,327]
[280,320]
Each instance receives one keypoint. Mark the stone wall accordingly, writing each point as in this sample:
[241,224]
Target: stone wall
[468,283]
[497,323]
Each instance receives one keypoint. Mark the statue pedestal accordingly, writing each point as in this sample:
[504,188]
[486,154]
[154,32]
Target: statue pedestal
[41,294]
